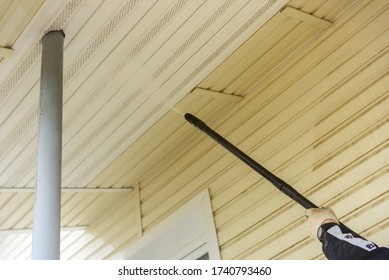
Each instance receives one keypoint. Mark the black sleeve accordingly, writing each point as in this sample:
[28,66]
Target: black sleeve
[340,245]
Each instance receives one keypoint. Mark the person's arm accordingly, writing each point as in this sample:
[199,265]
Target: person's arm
[337,243]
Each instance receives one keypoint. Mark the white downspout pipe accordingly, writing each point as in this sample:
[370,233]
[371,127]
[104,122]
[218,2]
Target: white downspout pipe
[47,208]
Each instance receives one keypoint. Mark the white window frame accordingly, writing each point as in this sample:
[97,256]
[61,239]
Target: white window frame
[188,233]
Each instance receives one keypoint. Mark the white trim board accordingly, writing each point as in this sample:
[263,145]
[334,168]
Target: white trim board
[188,229]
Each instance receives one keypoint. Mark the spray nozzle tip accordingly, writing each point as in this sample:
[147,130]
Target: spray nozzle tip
[193,120]
[190,118]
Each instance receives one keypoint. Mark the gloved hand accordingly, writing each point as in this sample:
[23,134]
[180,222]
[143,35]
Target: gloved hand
[318,217]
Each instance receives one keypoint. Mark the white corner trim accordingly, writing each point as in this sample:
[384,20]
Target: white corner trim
[197,209]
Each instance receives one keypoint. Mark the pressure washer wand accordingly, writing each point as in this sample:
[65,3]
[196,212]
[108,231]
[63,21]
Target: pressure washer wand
[277,182]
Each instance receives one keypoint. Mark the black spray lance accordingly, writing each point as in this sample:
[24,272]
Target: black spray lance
[277,182]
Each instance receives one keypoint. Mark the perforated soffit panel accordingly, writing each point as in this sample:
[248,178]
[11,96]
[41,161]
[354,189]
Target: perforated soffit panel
[126,63]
